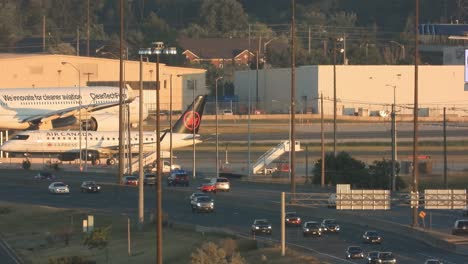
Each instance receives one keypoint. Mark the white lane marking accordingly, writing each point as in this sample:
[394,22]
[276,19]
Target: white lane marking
[432,257]
[9,251]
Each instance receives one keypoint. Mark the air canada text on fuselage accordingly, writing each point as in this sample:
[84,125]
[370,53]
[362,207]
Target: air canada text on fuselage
[69,134]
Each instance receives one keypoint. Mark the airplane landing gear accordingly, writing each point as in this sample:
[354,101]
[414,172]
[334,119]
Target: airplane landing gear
[26,164]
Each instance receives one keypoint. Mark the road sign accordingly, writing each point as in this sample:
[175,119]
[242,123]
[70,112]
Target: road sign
[444,199]
[422,214]
[363,200]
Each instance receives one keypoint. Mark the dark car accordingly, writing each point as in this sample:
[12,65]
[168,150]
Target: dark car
[311,228]
[372,257]
[460,227]
[178,177]
[202,204]
[44,175]
[354,252]
[386,257]
[90,186]
[372,237]
[292,219]
[330,226]
[261,226]
[149,179]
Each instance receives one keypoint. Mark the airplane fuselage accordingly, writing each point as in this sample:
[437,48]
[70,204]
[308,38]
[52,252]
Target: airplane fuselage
[58,141]
[19,104]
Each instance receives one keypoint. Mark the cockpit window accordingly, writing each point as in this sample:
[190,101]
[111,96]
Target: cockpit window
[21,137]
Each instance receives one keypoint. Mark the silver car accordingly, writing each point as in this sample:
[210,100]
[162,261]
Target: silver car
[59,187]
[202,204]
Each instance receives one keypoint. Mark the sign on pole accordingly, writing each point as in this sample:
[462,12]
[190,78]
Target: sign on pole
[422,214]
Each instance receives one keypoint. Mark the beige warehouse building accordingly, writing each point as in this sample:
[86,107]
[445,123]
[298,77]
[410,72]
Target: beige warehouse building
[360,89]
[36,70]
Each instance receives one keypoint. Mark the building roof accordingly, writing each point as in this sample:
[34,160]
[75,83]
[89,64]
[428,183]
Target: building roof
[219,48]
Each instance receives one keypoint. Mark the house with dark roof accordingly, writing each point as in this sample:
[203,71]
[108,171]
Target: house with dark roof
[219,51]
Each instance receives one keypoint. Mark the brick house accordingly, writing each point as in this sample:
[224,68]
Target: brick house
[219,51]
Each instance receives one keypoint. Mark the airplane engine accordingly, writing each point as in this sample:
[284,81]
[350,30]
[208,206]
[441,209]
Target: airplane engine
[89,124]
[102,122]
[64,122]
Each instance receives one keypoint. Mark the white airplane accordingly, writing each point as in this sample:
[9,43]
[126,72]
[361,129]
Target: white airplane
[94,144]
[52,108]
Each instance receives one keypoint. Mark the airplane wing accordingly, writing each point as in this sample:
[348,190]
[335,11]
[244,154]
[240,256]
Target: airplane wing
[67,112]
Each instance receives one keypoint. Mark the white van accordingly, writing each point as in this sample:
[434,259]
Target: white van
[221,184]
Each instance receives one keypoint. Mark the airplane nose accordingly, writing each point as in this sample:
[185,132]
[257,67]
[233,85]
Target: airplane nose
[5,147]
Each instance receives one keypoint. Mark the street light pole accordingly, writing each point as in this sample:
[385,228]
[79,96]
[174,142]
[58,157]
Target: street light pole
[79,113]
[217,135]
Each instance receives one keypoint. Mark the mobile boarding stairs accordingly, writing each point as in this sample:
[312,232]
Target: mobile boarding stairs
[271,155]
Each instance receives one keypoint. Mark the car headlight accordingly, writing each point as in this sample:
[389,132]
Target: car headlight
[380,261]
[212,204]
[198,204]
[337,228]
[99,187]
[307,229]
[89,187]
[367,237]
[256,227]
[287,219]
[349,255]
[320,229]
[298,219]
[269,227]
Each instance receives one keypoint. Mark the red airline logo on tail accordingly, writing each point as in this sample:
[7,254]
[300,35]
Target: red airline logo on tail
[191,120]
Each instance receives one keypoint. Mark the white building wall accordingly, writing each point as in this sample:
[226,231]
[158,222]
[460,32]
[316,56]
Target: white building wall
[359,86]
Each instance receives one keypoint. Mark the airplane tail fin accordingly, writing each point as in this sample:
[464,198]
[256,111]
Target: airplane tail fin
[191,118]
[131,94]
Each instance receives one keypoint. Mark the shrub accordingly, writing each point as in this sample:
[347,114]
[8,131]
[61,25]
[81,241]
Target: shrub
[97,239]
[5,210]
[210,253]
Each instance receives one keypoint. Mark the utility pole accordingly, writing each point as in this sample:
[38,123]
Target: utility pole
[393,177]
[415,116]
[334,98]
[43,33]
[87,31]
[121,101]
[292,144]
[322,141]
[141,200]
[445,150]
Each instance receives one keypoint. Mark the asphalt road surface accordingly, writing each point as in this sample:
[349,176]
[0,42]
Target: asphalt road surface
[235,210]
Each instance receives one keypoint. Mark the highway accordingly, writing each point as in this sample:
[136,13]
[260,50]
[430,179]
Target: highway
[235,210]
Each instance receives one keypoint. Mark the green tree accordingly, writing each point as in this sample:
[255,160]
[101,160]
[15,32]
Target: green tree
[380,172]
[223,16]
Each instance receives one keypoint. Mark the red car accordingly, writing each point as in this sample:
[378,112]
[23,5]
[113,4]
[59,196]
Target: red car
[130,180]
[292,219]
[208,187]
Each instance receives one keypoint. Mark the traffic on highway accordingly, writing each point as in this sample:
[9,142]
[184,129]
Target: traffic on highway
[249,209]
